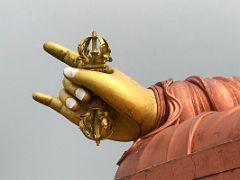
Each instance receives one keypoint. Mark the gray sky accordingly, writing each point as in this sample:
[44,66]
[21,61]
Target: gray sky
[150,40]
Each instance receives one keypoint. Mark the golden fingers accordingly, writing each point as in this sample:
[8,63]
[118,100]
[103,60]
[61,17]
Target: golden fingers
[94,94]
[68,100]
[56,105]
[80,93]
[47,100]
[120,92]
[63,54]
[87,78]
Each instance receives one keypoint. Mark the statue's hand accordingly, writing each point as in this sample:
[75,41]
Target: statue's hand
[131,106]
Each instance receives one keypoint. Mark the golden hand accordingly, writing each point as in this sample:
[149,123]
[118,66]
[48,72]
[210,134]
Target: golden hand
[131,106]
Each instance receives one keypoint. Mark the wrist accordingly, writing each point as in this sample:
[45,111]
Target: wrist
[152,112]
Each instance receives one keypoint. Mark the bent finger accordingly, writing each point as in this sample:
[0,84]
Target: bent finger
[68,100]
[65,55]
[80,93]
[56,105]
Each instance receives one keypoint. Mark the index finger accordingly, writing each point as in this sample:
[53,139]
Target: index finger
[65,55]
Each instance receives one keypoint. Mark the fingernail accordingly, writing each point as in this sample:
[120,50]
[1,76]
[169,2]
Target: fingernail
[70,72]
[70,102]
[80,93]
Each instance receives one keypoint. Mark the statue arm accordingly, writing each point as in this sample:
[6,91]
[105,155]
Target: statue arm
[186,99]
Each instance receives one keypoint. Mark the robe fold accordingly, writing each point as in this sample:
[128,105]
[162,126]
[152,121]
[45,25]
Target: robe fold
[186,110]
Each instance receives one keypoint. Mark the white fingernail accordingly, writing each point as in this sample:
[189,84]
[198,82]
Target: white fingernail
[80,93]
[70,72]
[70,102]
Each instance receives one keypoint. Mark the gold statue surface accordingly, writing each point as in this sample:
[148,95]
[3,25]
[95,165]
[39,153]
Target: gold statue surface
[101,100]
[167,121]
[107,104]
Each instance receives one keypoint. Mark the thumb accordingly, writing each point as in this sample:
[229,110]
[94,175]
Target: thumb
[92,80]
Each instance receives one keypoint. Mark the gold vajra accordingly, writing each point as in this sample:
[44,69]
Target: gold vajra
[95,123]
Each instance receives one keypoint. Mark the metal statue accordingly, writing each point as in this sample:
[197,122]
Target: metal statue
[168,121]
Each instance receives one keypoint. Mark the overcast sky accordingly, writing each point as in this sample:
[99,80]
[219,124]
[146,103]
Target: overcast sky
[150,40]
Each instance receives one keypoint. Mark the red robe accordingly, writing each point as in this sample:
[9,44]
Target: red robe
[191,115]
